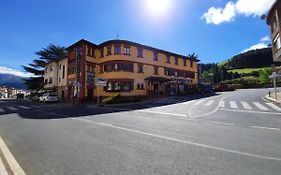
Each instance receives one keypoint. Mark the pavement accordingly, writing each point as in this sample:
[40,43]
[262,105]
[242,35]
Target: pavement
[272,97]
[225,133]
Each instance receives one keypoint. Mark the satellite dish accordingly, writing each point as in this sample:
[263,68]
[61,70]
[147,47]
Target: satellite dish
[263,17]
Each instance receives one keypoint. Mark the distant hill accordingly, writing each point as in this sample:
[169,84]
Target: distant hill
[252,59]
[12,81]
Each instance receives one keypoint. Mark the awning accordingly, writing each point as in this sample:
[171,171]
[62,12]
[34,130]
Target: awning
[158,79]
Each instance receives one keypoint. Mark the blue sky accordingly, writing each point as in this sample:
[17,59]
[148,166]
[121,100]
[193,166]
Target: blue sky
[214,29]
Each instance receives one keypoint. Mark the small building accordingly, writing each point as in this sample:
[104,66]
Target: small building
[55,77]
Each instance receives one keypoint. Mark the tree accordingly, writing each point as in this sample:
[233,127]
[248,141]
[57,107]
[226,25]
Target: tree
[50,53]
[264,73]
[192,56]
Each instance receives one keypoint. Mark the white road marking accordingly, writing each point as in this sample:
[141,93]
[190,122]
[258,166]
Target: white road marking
[222,123]
[268,128]
[233,105]
[260,106]
[2,110]
[24,107]
[12,108]
[221,104]
[209,103]
[246,105]
[164,113]
[180,141]
[247,111]
[12,162]
[3,170]
[199,102]
[274,107]
[34,106]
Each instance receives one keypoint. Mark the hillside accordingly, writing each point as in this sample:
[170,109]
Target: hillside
[252,59]
[12,81]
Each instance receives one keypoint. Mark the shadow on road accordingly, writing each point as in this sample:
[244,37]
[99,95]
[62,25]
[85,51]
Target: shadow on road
[57,111]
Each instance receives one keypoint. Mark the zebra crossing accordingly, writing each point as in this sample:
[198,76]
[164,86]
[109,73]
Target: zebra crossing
[232,104]
[20,107]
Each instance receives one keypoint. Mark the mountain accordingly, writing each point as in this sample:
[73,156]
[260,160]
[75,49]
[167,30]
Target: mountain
[252,59]
[12,81]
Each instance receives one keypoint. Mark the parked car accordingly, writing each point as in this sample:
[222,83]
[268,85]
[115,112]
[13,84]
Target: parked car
[48,97]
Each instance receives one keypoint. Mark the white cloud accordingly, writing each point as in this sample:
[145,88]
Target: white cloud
[265,39]
[256,46]
[5,70]
[217,15]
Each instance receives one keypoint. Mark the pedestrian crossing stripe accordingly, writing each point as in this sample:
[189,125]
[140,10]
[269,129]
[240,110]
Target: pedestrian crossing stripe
[209,103]
[24,107]
[12,108]
[246,105]
[221,104]
[199,102]
[260,106]
[233,105]
[274,107]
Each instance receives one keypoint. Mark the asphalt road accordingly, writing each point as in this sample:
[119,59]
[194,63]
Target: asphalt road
[227,133]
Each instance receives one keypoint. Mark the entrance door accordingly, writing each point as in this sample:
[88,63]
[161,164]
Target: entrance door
[90,94]
[155,88]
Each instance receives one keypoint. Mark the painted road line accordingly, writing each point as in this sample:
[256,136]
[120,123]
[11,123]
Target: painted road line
[2,110]
[3,170]
[253,112]
[260,106]
[12,108]
[186,142]
[12,162]
[199,102]
[164,113]
[246,105]
[274,107]
[233,105]
[222,123]
[266,128]
[38,107]
[209,103]
[24,107]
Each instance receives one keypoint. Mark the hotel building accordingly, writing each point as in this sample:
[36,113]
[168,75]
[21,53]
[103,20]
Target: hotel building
[133,70]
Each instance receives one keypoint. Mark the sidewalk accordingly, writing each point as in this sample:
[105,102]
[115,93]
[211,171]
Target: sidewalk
[272,97]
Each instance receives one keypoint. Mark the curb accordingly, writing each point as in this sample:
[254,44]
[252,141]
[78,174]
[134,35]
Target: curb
[265,98]
[13,165]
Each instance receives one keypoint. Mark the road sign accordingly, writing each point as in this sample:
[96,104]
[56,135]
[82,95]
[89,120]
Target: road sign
[101,82]
[274,75]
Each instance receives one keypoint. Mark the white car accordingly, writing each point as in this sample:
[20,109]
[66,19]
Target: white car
[48,97]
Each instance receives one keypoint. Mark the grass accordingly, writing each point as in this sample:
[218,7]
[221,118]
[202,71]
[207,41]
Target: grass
[246,70]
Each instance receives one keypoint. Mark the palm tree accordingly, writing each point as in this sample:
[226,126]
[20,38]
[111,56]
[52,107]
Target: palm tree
[192,56]
[50,53]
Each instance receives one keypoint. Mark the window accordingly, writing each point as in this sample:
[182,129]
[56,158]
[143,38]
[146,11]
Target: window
[50,80]
[51,68]
[118,66]
[140,53]
[59,79]
[191,63]
[46,70]
[140,68]
[155,70]
[119,86]
[276,42]
[101,53]
[176,73]
[142,87]
[117,50]
[176,61]
[63,71]
[155,56]
[60,66]
[109,51]
[90,52]
[46,81]
[138,86]
[184,62]
[168,60]
[127,51]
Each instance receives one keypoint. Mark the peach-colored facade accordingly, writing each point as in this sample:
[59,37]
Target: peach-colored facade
[132,70]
